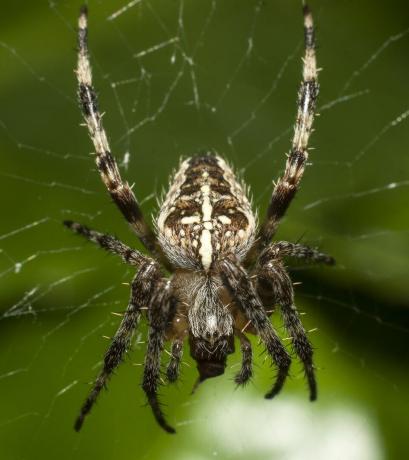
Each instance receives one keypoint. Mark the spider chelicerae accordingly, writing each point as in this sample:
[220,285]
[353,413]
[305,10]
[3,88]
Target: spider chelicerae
[226,276]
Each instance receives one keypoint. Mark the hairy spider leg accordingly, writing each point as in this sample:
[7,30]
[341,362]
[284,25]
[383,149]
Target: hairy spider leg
[242,290]
[142,292]
[287,185]
[120,191]
[246,370]
[109,243]
[158,319]
[282,249]
[272,271]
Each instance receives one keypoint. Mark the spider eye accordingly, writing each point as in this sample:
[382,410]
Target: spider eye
[213,336]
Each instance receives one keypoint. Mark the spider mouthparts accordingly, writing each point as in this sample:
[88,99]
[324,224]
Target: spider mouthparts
[207,370]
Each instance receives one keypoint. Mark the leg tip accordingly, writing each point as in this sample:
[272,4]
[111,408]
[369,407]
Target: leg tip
[76,227]
[305,8]
[242,379]
[82,21]
[308,22]
[84,10]
[157,412]
[68,223]
[78,424]
[169,429]
[164,424]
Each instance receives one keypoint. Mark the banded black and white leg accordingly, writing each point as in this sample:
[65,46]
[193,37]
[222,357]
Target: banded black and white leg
[119,190]
[143,289]
[271,272]
[242,290]
[150,290]
[109,243]
[287,185]
[159,318]
[282,249]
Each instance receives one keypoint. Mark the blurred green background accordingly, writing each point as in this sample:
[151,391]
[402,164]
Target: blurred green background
[224,77]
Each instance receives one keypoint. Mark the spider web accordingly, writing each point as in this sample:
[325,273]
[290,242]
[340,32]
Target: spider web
[176,78]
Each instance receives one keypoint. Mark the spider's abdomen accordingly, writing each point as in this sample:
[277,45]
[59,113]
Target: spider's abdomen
[205,214]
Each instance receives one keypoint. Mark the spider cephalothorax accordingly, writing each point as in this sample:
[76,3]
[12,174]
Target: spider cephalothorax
[226,276]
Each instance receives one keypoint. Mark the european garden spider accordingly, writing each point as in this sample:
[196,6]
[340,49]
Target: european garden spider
[225,274]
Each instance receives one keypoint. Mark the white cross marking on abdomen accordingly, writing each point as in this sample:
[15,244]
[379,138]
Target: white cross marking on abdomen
[206,248]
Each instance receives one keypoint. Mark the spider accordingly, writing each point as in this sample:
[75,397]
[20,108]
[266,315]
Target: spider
[226,276]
